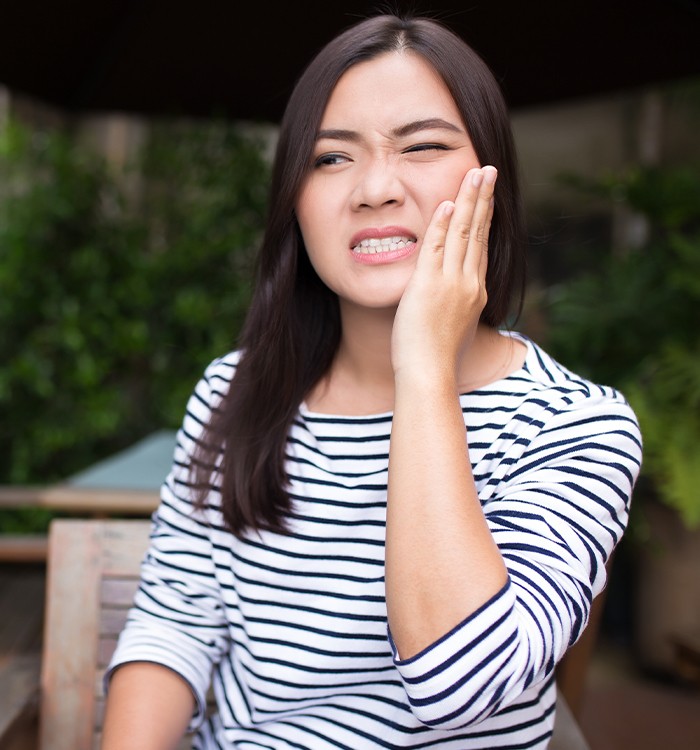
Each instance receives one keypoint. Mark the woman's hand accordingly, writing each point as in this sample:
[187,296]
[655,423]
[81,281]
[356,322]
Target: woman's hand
[440,309]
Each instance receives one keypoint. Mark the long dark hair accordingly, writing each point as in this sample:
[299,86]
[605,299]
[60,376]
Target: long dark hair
[293,328]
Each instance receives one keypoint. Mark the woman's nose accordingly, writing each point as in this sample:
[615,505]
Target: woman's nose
[379,184]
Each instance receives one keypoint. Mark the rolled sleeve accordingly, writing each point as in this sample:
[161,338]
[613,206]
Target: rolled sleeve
[451,683]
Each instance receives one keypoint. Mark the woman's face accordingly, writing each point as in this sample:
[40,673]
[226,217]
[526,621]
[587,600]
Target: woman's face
[390,148]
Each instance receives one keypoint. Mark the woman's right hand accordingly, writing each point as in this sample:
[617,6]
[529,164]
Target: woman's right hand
[440,309]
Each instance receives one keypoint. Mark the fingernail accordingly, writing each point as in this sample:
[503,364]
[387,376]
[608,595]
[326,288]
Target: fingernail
[447,208]
[490,174]
[477,177]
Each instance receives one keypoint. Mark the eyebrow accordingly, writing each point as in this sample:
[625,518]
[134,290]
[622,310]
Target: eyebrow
[431,123]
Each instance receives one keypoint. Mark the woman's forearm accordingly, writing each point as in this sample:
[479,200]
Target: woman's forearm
[441,560]
[148,708]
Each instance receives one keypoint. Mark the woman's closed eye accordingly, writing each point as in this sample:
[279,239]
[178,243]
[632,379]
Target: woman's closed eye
[418,147]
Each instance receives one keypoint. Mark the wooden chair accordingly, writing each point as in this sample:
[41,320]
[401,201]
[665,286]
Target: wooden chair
[93,570]
[92,575]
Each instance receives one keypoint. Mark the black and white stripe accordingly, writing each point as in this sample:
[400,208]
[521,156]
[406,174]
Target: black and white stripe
[295,625]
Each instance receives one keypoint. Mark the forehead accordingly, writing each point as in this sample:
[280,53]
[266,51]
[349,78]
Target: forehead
[391,88]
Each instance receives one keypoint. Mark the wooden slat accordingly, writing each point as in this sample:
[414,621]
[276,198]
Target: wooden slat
[70,647]
[99,713]
[118,592]
[81,500]
[23,548]
[112,621]
[99,681]
[122,547]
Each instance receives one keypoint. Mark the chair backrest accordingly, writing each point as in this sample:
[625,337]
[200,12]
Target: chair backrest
[93,572]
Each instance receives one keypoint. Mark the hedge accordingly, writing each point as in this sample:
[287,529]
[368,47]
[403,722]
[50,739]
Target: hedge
[116,290]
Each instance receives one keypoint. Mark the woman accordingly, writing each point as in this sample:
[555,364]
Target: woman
[350,566]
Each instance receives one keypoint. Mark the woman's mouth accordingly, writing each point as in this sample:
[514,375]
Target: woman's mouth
[374,251]
[375,245]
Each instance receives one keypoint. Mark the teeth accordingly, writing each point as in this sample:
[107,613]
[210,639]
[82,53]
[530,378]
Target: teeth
[383,245]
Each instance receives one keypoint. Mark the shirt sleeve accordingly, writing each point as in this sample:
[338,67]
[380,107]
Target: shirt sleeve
[177,619]
[556,517]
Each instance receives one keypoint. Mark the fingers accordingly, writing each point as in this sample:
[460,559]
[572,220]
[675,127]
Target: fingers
[433,248]
[466,240]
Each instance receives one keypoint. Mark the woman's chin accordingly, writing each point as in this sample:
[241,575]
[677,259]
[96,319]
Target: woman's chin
[382,299]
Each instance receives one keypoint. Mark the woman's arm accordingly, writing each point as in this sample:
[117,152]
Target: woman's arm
[176,630]
[566,467]
[442,563]
[148,708]
[484,599]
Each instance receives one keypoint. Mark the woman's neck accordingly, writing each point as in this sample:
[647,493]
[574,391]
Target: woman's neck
[361,378]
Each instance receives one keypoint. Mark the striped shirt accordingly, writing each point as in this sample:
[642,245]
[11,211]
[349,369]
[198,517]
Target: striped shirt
[291,631]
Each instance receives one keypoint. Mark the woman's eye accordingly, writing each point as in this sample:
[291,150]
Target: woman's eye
[426,147]
[329,160]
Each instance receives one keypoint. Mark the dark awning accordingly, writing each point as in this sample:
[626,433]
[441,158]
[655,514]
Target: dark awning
[240,59]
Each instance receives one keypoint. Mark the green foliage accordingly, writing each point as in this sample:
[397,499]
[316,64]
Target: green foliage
[632,322]
[667,403]
[116,290]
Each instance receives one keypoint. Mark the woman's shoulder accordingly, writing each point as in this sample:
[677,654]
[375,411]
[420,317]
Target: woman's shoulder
[215,381]
[546,373]
[223,367]
[551,391]
[219,373]
[557,406]
[566,397]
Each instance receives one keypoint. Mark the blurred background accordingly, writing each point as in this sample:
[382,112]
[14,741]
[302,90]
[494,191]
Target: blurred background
[135,143]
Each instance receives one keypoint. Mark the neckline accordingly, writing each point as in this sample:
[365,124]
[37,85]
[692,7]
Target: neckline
[305,412]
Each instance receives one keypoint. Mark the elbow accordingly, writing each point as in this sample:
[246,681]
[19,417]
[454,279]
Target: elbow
[450,715]
[449,722]
[483,665]
[492,683]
